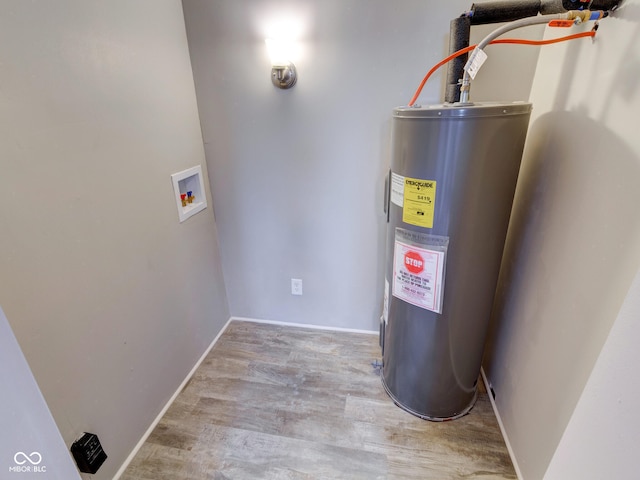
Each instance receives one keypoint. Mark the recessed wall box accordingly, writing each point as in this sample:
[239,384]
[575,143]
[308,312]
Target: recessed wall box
[88,453]
[188,188]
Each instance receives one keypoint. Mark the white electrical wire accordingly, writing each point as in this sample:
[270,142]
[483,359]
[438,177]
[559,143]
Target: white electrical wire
[524,22]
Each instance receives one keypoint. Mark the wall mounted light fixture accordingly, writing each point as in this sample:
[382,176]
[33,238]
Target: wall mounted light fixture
[283,71]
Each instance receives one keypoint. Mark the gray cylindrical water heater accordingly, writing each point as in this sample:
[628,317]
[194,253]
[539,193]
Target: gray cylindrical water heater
[453,176]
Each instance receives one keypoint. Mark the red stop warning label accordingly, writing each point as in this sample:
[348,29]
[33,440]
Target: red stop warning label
[414,262]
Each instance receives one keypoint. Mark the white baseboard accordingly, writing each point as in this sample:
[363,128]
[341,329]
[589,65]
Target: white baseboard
[304,325]
[168,404]
[504,432]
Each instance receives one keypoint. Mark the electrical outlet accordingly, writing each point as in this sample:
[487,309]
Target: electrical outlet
[296,286]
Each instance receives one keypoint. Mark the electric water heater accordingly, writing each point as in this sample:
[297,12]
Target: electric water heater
[449,195]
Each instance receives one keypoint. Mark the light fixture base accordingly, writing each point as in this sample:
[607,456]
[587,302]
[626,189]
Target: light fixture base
[284,76]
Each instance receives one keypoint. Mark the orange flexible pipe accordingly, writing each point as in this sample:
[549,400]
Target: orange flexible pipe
[517,41]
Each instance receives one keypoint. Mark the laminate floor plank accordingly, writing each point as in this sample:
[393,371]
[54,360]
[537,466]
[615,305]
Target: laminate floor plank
[277,402]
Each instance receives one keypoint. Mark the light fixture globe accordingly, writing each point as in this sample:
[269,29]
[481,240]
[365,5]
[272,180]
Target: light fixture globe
[284,76]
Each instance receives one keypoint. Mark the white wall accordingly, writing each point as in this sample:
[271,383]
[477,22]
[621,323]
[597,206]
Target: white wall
[22,406]
[604,432]
[112,300]
[298,175]
[572,252]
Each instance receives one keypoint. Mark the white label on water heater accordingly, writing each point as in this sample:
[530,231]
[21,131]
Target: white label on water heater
[419,269]
[397,189]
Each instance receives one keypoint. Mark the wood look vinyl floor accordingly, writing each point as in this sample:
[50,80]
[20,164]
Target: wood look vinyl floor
[278,402]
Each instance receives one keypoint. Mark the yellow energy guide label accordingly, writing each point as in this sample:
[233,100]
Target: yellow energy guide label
[419,202]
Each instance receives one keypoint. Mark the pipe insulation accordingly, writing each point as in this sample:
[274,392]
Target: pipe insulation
[496,12]
[523,22]
[502,11]
[485,13]
[458,39]
[481,13]
[592,5]
[548,7]
[573,15]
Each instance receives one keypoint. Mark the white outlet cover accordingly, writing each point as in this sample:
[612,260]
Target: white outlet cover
[296,286]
